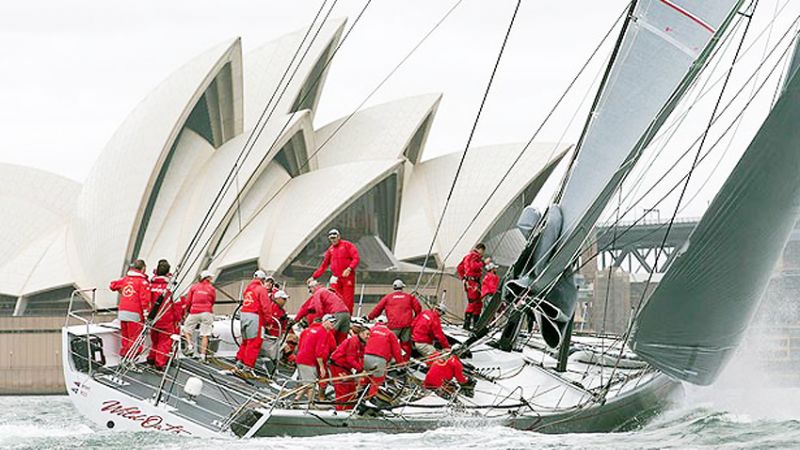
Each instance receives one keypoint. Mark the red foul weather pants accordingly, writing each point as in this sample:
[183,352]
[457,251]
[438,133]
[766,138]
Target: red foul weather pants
[346,288]
[130,332]
[345,389]
[473,289]
[160,346]
[248,351]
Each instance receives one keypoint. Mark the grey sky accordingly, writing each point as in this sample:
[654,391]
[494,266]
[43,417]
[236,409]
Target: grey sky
[74,70]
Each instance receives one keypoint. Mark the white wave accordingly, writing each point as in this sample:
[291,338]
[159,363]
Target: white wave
[15,432]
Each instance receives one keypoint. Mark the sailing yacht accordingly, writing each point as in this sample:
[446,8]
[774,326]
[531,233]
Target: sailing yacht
[551,380]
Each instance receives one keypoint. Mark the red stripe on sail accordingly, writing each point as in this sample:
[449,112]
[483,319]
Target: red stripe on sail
[691,16]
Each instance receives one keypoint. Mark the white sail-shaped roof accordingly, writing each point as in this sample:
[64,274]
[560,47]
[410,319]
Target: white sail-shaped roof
[482,171]
[162,171]
[386,131]
[113,202]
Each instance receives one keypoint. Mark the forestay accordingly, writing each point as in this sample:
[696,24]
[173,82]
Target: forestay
[666,44]
[697,315]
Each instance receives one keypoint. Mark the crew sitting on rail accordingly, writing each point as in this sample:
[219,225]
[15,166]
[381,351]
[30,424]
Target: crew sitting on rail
[255,300]
[167,318]
[427,328]
[200,303]
[346,361]
[401,309]
[382,347]
[325,301]
[444,369]
[134,303]
[316,344]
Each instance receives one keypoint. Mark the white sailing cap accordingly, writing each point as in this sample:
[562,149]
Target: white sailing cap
[333,232]
[398,284]
[329,318]
[281,294]
[206,274]
[260,274]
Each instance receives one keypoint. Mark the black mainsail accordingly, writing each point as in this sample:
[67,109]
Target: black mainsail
[698,313]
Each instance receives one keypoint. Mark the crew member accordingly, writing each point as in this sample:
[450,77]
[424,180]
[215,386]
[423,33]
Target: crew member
[316,345]
[426,328]
[134,303]
[325,301]
[382,347]
[488,288]
[347,360]
[251,318]
[168,317]
[276,325]
[200,303]
[443,369]
[401,309]
[342,257]
[469,271]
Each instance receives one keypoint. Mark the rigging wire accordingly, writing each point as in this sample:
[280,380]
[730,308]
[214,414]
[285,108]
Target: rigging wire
[215,231]
[469,141]
[546,119]
[688,150]
[525,296]
[343,122]
[252,137]
[695,161]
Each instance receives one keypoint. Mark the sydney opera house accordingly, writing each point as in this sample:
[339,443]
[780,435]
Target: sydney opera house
[158,178]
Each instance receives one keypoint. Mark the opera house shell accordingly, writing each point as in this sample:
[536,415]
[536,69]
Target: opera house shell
[160,174]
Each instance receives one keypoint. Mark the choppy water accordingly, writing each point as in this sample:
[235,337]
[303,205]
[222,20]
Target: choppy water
[740,418]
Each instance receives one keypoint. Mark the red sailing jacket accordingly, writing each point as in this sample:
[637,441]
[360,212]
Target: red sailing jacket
[254,298]
[349,354]
[201,297]
[427,327]
[322,302]
[171,311]
[489,284]
[315,342]
[471,266]
[442,370]
[273,313]
[339,257]
[382,342]
[401,308]
[134,292]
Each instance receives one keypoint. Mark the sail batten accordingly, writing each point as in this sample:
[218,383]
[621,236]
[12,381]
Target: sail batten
[695,318]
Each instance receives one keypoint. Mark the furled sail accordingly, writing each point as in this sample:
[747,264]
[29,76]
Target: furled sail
[695,318]
[665,45]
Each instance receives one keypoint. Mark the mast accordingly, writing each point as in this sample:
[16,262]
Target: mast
[662,50]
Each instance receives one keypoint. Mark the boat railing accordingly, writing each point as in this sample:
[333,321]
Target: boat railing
[76,315]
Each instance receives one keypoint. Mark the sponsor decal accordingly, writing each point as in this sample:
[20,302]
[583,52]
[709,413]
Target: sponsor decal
[128,291]
[82,388]
[146,421]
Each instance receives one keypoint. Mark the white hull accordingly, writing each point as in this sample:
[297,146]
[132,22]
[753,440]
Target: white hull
[516,389]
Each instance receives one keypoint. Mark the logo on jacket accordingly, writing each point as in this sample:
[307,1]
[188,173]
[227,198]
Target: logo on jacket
[128,290]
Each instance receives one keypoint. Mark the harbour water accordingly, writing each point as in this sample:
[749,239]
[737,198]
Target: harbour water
[708,419]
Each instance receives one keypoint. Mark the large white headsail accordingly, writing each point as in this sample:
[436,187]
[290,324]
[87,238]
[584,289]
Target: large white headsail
[665,45]
[695,318]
